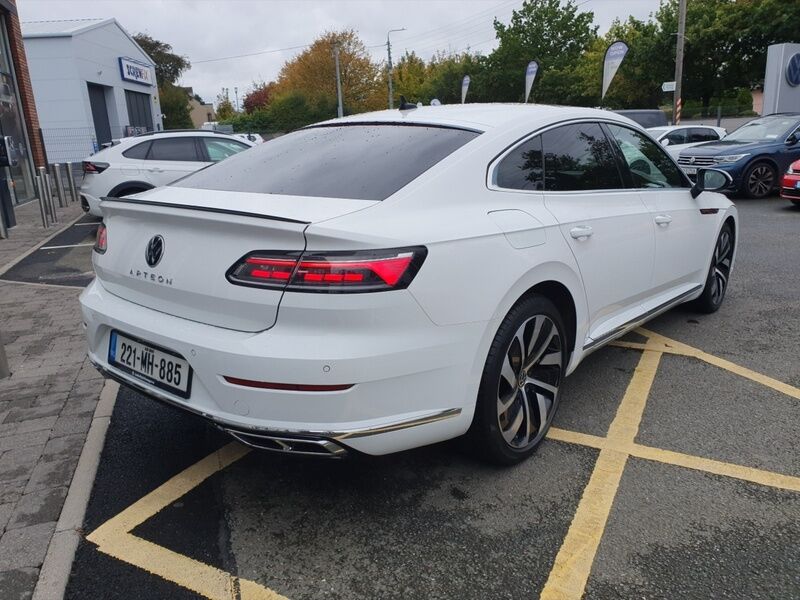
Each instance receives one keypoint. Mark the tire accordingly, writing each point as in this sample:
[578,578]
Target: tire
[718,272]
[759,180]
[517,401]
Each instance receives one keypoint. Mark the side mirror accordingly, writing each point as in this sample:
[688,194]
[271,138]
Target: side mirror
[791,140]
[710,180]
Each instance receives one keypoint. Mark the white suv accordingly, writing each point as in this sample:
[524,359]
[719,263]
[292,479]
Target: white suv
[146,161]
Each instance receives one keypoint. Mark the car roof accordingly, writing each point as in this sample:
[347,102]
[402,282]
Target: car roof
[483,117]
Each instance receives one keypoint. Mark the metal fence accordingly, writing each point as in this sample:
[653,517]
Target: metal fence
[73,144]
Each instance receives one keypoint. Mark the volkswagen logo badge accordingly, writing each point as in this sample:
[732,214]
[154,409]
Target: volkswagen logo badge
[793,70]
[154,250]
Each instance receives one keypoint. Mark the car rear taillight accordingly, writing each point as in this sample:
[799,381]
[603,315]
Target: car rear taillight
[101,243]
[334,272]
[94,167]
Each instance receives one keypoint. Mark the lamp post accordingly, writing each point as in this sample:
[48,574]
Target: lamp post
[389,52]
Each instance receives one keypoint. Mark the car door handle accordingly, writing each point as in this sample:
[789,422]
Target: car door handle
[156,170]
[581,232]
[663,220]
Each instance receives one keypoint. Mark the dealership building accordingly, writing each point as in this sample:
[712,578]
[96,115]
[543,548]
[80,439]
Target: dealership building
[92,83]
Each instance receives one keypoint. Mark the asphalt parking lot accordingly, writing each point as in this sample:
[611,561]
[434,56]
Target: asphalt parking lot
[672,471]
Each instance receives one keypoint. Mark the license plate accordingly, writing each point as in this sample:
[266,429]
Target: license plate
[690,170]
[797,185]
[157,366]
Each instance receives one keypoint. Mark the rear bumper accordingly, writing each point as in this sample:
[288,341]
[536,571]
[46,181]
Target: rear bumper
[414,383]
[91,204]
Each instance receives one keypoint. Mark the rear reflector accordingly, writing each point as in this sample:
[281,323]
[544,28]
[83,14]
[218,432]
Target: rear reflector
[335,272]
[293,387]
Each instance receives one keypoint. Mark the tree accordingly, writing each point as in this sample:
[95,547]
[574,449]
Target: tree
[175,107]
[545,30]
[313,73]
[409,75]
[259,97]
[225,108]
[169,65]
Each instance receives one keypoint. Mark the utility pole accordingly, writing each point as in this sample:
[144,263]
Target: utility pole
[677,98]
[389,52]
[236,93]
[340,110]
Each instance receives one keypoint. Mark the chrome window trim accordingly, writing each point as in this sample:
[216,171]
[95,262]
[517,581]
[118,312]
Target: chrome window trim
[491,171]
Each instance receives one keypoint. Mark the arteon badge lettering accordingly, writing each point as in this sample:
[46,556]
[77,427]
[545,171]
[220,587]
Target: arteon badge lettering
[154,277]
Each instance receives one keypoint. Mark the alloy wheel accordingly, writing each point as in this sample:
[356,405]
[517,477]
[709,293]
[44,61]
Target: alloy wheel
[529,380]
[721,266]
[761,181]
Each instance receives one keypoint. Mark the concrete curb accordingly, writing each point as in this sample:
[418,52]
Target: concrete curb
[30,251]
[55,572]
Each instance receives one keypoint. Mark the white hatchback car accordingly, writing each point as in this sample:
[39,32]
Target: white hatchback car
[394,279]
[150,160]
[679,137]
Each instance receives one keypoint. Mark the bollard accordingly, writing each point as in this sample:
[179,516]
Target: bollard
[4,370]
[3,230]
[42,190]
[48,198]
[42,207]
[59,185]
[73,191]
[48,186]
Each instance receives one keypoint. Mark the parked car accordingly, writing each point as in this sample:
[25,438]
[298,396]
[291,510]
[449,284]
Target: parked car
[646,117]
[790,186]
[754,155]
[143,162]
[679,137]
[394,279]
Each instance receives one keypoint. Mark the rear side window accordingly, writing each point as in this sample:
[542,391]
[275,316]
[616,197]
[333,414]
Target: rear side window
[139,151]
[178,148]
[523,167]
[579,157]
[702,134]
[364,162]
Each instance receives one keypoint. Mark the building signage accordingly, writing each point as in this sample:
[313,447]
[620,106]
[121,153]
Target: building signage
[135,71]
[793,70]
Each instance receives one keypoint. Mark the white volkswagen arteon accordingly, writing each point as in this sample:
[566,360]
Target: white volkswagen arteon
[389,280]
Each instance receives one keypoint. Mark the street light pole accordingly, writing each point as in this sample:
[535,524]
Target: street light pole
[389,52]
[236,93]
[677,98]
[339,110]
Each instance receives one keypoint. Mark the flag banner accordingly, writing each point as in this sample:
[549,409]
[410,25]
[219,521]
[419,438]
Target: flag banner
[530,76]
[464,88]
[614,55]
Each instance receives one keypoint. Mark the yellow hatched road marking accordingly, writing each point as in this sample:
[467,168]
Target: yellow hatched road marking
[574,560]
[572,567]
[114,538]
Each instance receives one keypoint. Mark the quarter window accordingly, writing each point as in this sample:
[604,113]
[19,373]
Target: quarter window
[649,165]
[523,168]
[579,157]
[177,148]
[678,136]
[219,149]
[139,151]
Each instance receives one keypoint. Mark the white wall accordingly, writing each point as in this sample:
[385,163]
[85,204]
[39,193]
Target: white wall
[61,67]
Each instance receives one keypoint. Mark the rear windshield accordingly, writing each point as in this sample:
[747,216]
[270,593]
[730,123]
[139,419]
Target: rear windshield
[363,162]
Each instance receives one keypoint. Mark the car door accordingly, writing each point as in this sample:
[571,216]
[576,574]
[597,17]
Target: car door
[608,227]
[170,158]
[683,235]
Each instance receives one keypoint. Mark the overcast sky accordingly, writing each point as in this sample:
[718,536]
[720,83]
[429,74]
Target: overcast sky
[211,29]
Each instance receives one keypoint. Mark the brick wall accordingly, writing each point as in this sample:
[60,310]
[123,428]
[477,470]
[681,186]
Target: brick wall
[24,85]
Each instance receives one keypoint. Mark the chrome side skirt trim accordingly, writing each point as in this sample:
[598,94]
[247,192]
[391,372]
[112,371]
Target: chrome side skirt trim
[640,320]
[282,434]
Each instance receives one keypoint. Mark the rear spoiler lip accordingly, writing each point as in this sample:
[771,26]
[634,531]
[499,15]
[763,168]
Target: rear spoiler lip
[210,209]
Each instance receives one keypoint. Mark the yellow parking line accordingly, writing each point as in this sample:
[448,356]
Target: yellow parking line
[114,538]
[686,350]
[567,579]
[689,461]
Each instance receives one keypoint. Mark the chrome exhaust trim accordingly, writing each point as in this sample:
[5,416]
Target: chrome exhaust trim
[288,445]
